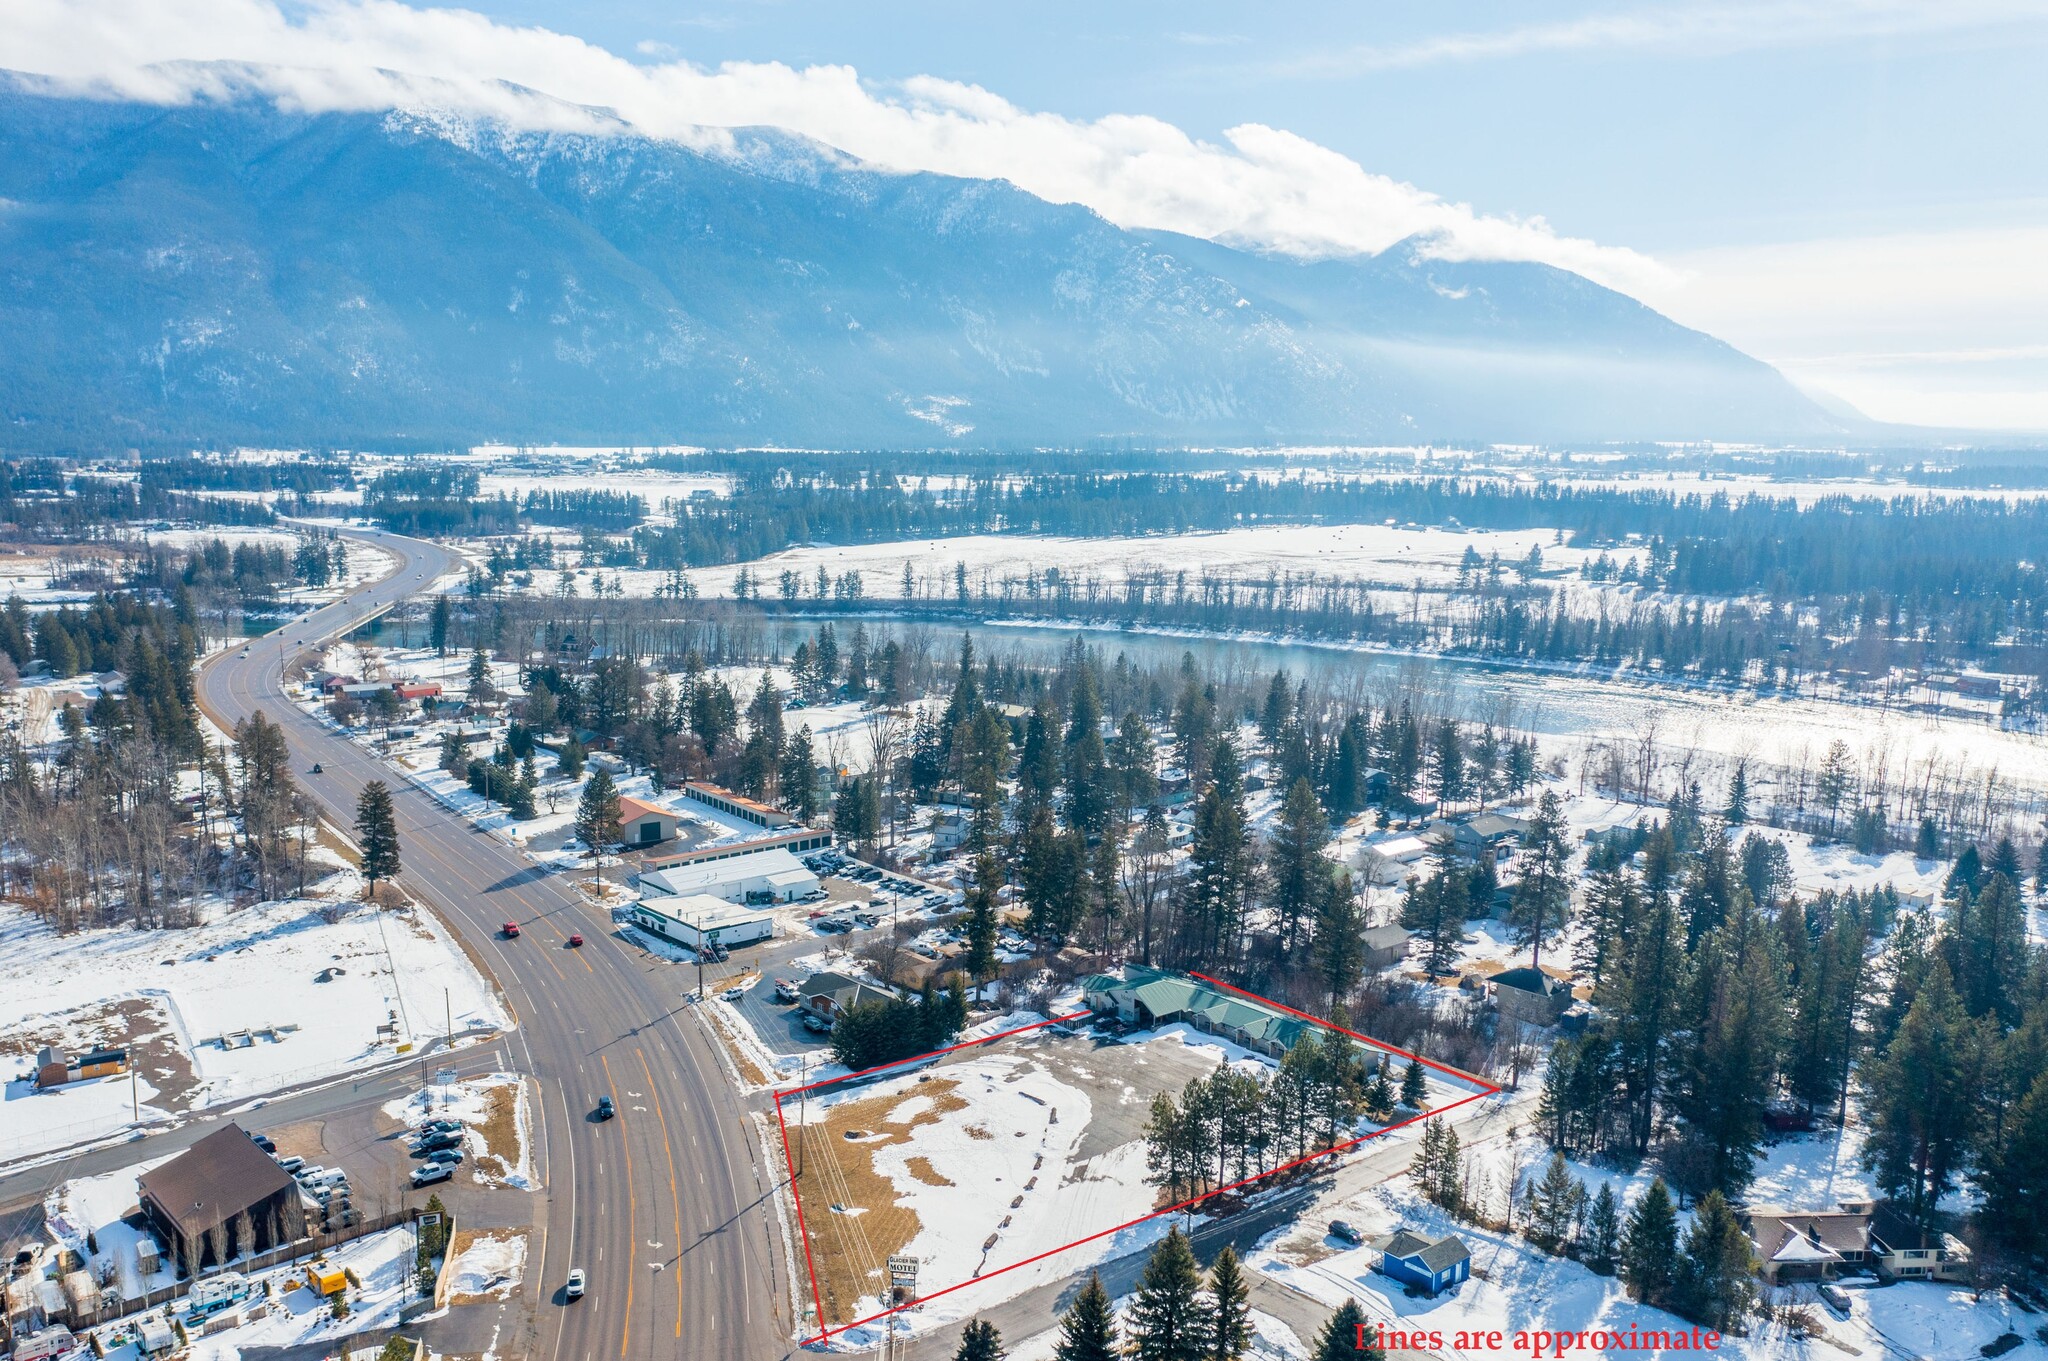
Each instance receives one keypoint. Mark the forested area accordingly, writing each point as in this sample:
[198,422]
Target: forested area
[47,500]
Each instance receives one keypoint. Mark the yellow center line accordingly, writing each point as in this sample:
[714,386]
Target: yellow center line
[675,1201]
[632,1224]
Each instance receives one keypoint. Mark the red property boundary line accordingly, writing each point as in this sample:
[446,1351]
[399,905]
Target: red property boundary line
[789,1158]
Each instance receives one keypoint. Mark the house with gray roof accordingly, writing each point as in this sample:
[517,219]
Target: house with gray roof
[1430,1265]
[1531,996]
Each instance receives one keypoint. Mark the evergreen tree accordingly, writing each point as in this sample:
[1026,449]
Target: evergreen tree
[1542,899]
[1221,865]
[981,918]
[1436,1169]
[1557,1203]
[1340,1338]
[1230,1326]
[1167,1320]
[2015,1181]
[1737,811]
[1715,1283]
[979,1341]
[799,775]
[1132,759]
[1339,938]
[1731,1064]
[1600,1240]
[377,833]
[1088,1328]
[1921,1099]
[1436,908]
[597,818]
[1414,1086]
[1296,868]
[437,627]
[1649,1241]
[569,760]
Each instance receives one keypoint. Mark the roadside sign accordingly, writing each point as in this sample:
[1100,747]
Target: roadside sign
[903,1272]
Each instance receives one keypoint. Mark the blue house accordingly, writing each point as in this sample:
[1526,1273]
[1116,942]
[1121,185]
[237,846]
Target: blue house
[1430,1265]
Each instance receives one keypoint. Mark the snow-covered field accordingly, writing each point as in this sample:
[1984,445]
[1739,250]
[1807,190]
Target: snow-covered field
[981,1135]
[247,976]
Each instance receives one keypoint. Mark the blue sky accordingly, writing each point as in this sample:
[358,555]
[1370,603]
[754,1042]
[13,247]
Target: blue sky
[1856,190]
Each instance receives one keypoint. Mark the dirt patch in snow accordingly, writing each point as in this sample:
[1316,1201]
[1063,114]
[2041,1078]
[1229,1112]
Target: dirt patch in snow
[853,1245]
[922,1169]
[138,1024]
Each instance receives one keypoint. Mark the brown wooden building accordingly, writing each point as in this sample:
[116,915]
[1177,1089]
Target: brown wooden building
[220,1198]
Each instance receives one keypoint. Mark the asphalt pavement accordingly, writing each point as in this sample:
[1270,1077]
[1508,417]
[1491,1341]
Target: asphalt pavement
[668,1208]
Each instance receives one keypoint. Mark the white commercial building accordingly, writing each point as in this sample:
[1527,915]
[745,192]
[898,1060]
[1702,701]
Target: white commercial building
[772,875]
[696,918]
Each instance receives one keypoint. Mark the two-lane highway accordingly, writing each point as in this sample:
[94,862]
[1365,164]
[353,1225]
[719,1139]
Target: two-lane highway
[666,1208]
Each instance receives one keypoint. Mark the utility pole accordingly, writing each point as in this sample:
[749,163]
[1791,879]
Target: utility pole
[803,1077]
[448,1005]
[134,1101]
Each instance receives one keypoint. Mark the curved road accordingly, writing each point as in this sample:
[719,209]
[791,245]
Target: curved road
[667,1208]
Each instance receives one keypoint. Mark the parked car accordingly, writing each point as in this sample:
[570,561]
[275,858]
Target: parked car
[430,1173]
[1344,1233]
[291,1165]
[735,994]
[263,1141]
[605,1109]
[786,991]
[817,1024]
[434,1143]
[451,1157]
[574,1289]
[441,1127]
[511,930]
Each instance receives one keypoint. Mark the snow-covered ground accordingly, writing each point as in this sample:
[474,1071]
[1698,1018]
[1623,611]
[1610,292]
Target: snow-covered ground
[488,1265]
[250,975]
[1012,1132]
[1516,1287]
[1381,553]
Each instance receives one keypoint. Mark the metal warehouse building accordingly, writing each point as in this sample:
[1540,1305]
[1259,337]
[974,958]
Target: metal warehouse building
[772,875]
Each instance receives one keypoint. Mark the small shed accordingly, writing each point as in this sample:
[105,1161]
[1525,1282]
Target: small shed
[645,824]
[147,1262]
[53,1066]
[326,1279]
[50,1300]
[154,1337]
[82,1298]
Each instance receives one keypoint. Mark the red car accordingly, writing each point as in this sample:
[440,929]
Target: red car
[511,930]
[575,941]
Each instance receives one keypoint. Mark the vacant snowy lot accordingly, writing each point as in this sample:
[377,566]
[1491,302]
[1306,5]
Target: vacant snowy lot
[230,1009]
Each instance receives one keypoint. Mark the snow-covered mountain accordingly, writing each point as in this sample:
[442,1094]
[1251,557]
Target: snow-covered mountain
[233,272]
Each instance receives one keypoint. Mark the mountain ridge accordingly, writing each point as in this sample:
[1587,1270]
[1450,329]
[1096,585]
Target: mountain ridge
[233,272]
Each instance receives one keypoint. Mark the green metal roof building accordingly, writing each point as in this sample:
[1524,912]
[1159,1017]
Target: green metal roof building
[1145,998]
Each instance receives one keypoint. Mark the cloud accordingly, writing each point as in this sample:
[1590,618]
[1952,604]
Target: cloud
[1690,30]
[1261,186]
[1932,327]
